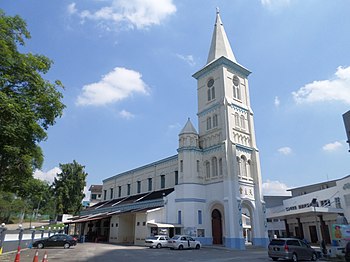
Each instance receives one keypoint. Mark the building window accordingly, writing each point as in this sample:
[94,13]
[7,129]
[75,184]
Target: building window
[211,89]
[181,165]
[220,167]
[214,163]
[207,169]
[162,181]
[179,217]
[236,88]
[176,177]
[93,196]
[199,217]
[149,184]
[208,123]
[138,187]
[111,195]
[242,122]
[236,119]
[119,191]
[243,166]
[238,166]
[337,202]
[249,169]
[215,120]
[198,166]
[129,190]
[104,194]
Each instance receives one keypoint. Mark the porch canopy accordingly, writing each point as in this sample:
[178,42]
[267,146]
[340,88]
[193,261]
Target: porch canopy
[304,212]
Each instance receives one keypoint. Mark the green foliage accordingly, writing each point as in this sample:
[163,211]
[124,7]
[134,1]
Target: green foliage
[34,197]
[69,188]
[29,104]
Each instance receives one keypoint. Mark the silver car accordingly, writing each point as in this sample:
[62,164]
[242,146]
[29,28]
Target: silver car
[291,249]
[183,241]
[156,241]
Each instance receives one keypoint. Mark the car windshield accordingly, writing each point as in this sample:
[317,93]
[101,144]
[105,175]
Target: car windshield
[175,237]
[277,242]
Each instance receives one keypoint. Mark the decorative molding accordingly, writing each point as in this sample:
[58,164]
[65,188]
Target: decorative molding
[197,200]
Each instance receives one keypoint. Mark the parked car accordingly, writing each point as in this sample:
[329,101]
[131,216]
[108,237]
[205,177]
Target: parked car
[291,249]
[183,241]
[157,241]
[58,240]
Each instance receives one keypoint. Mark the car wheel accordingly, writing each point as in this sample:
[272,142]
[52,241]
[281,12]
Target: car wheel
[40,245]
[198,246]
[66,245]
[274,258]
[181,247]
[314,257]
[159,245]
[295,258]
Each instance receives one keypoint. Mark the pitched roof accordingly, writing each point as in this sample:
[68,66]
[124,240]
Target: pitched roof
[220,46]
[188,128]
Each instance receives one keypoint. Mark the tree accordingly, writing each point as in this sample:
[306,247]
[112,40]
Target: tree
[29,104]
[69,188]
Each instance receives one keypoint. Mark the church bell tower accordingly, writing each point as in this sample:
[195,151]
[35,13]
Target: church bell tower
[227,138]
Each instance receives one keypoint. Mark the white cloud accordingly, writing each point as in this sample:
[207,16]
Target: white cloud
[285,150]
[125,114]
[336,89]
[277,101]
[87,194]
[48,176]
[331,147]
[132,13]
[187,58]
[275,4]
[270,188]
[117,85]
[71,9]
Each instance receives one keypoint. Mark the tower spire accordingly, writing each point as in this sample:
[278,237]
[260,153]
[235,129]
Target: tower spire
[220,46]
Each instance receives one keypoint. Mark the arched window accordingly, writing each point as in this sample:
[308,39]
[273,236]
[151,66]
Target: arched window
[207,169]
[236,88]
[238,166]
[249,171]
[211,89]
[215,120]
[214,163]
[243,166]
[220,167]
[236,119]
[208,123]
[242,122]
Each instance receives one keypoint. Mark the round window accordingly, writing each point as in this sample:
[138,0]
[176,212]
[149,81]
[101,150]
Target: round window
[210,82]
[235,80]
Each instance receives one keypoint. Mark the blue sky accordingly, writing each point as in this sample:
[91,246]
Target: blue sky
[127,65]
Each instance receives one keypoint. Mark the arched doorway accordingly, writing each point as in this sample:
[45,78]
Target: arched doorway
[247,222]
[216,224]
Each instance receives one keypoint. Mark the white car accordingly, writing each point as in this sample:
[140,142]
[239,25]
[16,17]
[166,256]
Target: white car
[183,241]
[157,241]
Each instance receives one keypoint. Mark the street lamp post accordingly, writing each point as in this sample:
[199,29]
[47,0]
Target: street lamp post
[2,236]
[20,234]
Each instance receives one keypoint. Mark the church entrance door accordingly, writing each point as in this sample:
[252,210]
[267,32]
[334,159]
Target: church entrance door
[216,227]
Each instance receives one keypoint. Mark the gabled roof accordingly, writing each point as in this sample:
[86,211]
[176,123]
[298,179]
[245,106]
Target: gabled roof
[95,188]
[220,46]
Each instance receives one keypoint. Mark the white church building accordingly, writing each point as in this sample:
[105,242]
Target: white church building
[211,189]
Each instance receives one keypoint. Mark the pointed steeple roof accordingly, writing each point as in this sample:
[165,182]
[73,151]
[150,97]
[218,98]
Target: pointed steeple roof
[220,46]
[188,128]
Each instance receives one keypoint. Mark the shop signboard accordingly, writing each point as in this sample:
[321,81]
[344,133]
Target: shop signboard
[340,232]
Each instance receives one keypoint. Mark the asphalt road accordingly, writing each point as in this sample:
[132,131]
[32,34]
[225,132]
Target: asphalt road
[93,252]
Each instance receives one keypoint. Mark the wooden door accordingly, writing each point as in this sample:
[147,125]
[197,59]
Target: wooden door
[216,227]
